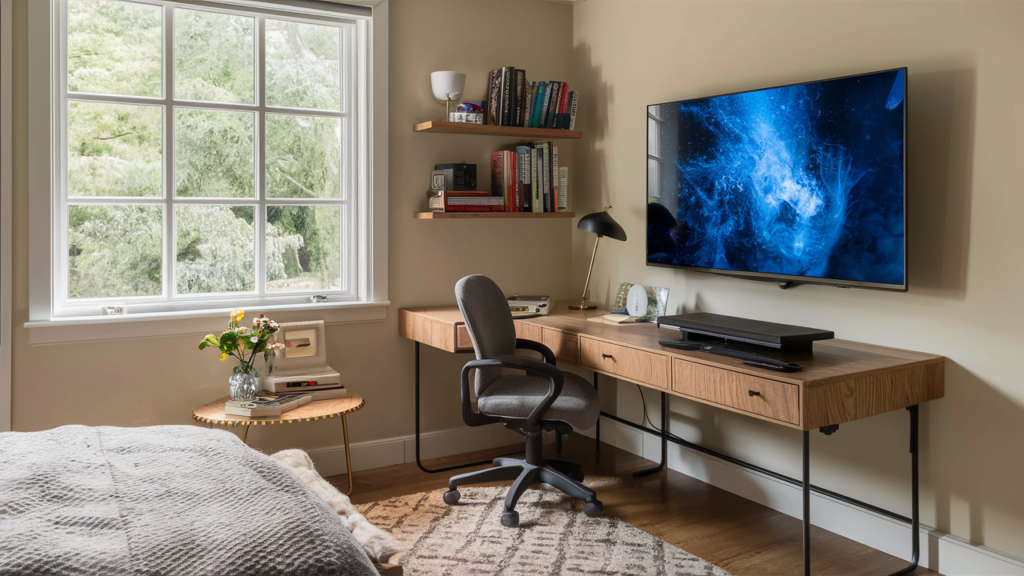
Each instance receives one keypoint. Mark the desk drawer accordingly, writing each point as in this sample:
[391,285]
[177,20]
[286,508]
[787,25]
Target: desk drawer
[637,365]
[565,346]
[528,331]
[770,399]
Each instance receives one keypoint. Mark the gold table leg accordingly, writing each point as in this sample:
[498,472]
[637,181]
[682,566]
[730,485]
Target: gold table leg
[348,453]
[245,434]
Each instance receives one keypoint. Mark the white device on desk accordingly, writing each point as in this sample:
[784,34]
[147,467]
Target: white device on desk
[528,306]
[301,366]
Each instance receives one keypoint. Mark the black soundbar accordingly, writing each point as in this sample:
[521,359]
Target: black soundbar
[718,329]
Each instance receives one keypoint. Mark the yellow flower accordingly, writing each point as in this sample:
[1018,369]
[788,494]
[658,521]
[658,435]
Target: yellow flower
[237,314]
[223,356]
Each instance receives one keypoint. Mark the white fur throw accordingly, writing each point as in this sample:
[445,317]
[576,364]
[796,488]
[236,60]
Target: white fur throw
[378,544]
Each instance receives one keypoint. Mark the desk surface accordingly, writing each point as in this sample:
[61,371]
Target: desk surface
[841,380]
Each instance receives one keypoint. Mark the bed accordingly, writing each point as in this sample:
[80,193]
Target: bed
[161,500]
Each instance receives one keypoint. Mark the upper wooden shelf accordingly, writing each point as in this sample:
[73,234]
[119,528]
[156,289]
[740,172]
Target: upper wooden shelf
[446,215]
[439,127]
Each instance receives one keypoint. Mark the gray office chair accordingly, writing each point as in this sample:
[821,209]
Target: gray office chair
[544,398]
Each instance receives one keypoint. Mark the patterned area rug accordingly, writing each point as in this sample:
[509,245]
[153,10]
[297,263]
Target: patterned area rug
[554,537]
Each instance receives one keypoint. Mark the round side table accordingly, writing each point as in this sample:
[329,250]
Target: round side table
[213,413]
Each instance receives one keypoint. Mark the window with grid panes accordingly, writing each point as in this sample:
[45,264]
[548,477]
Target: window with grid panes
[208,155]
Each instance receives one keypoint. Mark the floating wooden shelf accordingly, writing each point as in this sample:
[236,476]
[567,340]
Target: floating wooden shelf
[439,127]
[448,215]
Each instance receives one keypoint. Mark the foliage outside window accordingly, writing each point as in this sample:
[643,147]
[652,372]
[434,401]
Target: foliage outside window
[208,153]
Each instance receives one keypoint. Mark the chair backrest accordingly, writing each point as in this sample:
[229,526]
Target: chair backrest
[489,321]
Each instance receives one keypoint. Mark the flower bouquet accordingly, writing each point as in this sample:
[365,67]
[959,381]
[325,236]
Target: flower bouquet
[243,344]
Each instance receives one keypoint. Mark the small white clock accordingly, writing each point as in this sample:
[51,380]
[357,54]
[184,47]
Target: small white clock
[636,301]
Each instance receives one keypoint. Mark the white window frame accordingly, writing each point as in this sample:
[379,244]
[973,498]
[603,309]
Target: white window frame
[6,236]
[54,319]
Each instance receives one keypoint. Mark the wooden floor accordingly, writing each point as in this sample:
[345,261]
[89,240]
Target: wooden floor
[737,534]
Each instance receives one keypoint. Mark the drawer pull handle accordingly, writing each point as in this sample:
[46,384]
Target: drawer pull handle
[607,356]
[753,393]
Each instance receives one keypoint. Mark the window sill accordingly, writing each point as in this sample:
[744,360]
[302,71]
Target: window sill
[86,328]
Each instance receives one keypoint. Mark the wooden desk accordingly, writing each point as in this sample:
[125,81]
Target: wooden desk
[842,381]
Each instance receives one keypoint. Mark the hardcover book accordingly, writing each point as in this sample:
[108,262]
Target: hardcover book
[497,173]
[563,188]
[554,178]
[573,98]
[534,181]
[545,104]
[520,96]
[494,86]
[506,95]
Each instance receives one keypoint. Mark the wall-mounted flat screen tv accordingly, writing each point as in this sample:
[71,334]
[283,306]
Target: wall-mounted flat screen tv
[800,184]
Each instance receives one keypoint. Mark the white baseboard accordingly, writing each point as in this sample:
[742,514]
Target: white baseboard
[942,552]
[330,461]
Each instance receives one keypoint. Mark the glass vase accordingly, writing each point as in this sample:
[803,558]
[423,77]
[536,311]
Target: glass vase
[244,384]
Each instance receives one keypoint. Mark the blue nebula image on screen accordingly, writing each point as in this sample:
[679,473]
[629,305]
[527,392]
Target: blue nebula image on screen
[804,180]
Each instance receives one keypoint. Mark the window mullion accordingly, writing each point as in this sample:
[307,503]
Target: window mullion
[170,225]
[261,192]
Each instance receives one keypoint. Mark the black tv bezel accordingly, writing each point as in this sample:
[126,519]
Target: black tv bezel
[788,280]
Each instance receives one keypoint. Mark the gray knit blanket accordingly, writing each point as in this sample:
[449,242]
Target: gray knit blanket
[178,500]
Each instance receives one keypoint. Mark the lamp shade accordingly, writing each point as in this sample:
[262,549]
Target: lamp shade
[447,85]
[602,224]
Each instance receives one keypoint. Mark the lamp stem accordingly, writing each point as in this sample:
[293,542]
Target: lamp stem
[583,300]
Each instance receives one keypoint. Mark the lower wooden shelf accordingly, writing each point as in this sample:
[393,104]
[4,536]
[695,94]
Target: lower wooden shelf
[449,215]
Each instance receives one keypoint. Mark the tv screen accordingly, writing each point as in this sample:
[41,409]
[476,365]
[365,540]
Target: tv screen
[803,183]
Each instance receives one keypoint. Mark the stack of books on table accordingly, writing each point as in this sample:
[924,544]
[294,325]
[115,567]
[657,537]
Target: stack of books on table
[512,100]
[529,178]
[266,405]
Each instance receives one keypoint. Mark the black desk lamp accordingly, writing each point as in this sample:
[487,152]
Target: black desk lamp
[602,224]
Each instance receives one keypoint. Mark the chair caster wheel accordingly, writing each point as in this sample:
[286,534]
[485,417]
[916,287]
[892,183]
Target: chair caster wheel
[451,497]
[594,509]
[576,475]
[510,519]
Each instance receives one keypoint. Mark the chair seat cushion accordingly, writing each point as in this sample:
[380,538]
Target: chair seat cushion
[515,396]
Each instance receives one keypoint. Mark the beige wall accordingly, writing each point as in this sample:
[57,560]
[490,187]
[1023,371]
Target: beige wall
[966,244]
[159,380]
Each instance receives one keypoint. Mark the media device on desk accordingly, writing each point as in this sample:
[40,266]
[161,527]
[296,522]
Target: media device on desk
[301,367]
[529,306]
[796,184]
[757,343]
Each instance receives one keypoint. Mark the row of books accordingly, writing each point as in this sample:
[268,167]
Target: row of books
[512,100]
[529,179]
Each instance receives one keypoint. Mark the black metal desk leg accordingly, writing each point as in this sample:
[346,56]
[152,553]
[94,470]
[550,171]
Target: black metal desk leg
[915,514]
[664,440]
[597,432]
[418,461]
[807,503]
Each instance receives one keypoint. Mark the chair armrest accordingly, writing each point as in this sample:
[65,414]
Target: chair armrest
[537,368]
[468,416]
[549,356]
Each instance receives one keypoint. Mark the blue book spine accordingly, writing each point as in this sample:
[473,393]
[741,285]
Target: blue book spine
[542,89]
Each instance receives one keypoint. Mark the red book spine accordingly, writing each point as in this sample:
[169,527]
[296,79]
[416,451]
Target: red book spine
[496,172]
[565,97]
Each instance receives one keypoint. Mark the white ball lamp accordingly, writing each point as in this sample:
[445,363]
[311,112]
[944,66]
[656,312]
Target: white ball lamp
[447,86]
